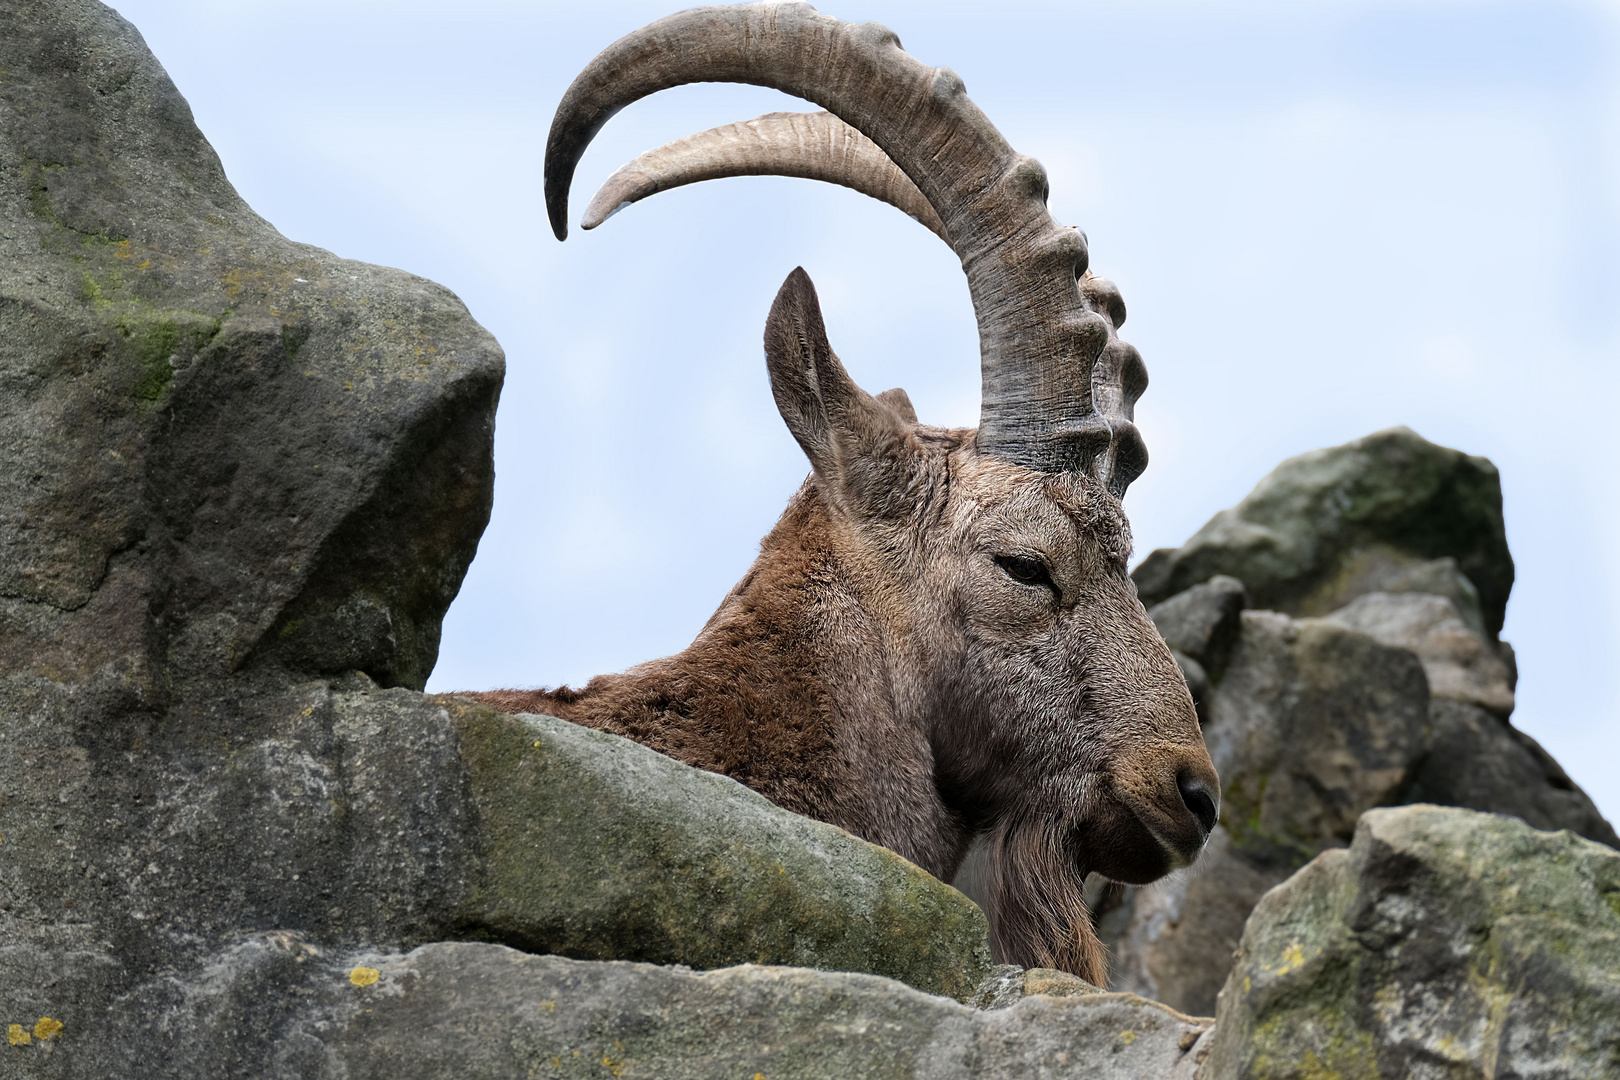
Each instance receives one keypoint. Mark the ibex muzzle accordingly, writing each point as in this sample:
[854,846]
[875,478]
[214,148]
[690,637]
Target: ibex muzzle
[939,639]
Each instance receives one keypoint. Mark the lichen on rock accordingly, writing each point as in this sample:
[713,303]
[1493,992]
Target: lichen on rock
[1442,942]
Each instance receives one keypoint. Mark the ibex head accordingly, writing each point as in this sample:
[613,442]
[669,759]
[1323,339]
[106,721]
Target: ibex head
[940,639]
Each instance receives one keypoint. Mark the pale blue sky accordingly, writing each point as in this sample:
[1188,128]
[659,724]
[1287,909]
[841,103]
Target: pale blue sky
[1326,218]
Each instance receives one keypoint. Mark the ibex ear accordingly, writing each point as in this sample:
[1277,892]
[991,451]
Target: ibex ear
[862,449]
[900,401]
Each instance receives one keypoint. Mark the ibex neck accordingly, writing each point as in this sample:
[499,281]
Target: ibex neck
[791,689]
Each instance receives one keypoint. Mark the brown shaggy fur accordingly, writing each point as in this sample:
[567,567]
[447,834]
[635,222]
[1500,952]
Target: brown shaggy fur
[893,664]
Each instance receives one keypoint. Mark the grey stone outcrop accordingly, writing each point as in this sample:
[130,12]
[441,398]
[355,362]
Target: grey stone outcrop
[1460,663]
[1330,525]
[1202,622]
[470,1010]
[1395,690]
[1441,943]
[1311,726]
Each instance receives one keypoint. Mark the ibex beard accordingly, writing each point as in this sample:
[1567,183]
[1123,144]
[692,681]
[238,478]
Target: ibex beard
[939,640]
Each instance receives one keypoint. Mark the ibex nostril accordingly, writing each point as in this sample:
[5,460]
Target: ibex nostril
[1199,801]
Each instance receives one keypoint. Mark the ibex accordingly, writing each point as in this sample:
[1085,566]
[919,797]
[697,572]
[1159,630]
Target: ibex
[939,639]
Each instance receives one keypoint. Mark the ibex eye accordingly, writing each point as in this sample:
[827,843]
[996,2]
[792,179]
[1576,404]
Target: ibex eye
[1025,570]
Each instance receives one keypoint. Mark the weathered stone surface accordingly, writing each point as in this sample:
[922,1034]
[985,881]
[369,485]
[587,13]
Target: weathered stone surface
[1313,725]
[357,815]
[1007,985]
[1482,762]
[220,447]
[1173,941]
[597,847]
[1330,525]
[1202,622]
[1388,537]
[232,463]
[1442,943]
[1460,664]
[280,1007]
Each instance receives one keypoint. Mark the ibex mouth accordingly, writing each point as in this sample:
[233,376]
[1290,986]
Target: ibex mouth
[1141,836]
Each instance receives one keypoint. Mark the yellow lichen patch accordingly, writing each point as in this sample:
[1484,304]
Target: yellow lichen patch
[47,1028]
[1127,1036]
[363,976]
[121,249]
[1293,958]
[17,1035]
[614,1067]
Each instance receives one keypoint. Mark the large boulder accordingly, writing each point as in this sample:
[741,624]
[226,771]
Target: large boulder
[1397,692]
[222,449]
[1441,943]
[1479,761]
[1330,525]
[279,1006]
[1312,725]
[596,847]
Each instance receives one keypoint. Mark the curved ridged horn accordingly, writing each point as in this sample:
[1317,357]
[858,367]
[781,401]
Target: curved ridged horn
[1040,336]
[811,146]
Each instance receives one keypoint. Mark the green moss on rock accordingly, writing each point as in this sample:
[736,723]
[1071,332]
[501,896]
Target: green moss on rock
[598,848]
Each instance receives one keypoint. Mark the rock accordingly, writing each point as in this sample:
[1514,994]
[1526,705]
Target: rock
[361,815]
[1202,622]
[1400,544]
[1482,762]
[1442,943]
[1313,725]
[599,848]
[233,465]
[484,1011]
[1441,577]
[1460,664]
[1007,985]
[1201,627]
[221,448]
[1330,525]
